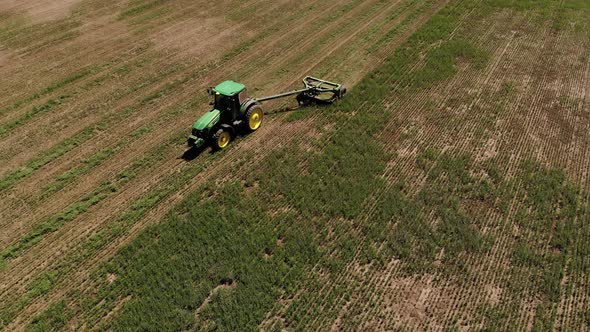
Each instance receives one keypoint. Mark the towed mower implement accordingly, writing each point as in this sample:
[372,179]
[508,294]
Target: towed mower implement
[234,113]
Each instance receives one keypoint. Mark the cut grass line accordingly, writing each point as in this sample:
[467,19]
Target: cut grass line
[48,156]
[49,89]
[5,128]
[89,164]
[105,190]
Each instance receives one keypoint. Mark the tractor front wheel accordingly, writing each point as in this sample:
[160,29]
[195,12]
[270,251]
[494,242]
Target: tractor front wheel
[254,117]
[221,139]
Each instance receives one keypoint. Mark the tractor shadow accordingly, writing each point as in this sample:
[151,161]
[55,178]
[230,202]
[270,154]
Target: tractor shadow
[192,153]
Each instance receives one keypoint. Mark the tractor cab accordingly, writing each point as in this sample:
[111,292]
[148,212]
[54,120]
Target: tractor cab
[228,98]
[232,113]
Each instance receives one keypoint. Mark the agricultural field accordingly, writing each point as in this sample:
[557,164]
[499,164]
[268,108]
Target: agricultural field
[448,190]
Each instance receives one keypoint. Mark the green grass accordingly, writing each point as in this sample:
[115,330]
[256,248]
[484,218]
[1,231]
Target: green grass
[45,91]
[91,163]
[47,156]
[54,319]
[552,203]
[139,8]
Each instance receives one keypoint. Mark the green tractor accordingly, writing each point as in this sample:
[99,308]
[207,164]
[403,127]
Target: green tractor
[235,113]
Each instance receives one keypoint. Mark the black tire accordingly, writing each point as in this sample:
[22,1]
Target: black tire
[253,118]
[342,92]
[303,100]
[221,139]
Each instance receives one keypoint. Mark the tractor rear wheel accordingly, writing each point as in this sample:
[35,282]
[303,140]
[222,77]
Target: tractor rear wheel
[254,117]
[221,139]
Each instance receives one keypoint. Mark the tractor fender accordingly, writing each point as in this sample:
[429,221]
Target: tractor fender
[247,104]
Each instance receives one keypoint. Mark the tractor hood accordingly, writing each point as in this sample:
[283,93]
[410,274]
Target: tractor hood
[207,121]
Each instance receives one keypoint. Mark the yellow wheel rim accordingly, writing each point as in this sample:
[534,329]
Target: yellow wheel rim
[255,119]
[224,139]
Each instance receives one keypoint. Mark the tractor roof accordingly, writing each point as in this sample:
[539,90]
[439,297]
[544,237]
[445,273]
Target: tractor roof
[229,88]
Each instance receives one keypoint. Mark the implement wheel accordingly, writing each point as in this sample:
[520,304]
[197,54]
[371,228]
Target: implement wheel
[221,139]
[254,117]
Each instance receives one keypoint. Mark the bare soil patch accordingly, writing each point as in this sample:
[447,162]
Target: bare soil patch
[3,57]
[40,10]
[204,38]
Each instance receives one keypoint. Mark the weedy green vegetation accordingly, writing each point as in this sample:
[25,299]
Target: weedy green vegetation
[47,156]
[54,319]
[440,62]
[551,203]
[49,89]
[103,191]
[239,246]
